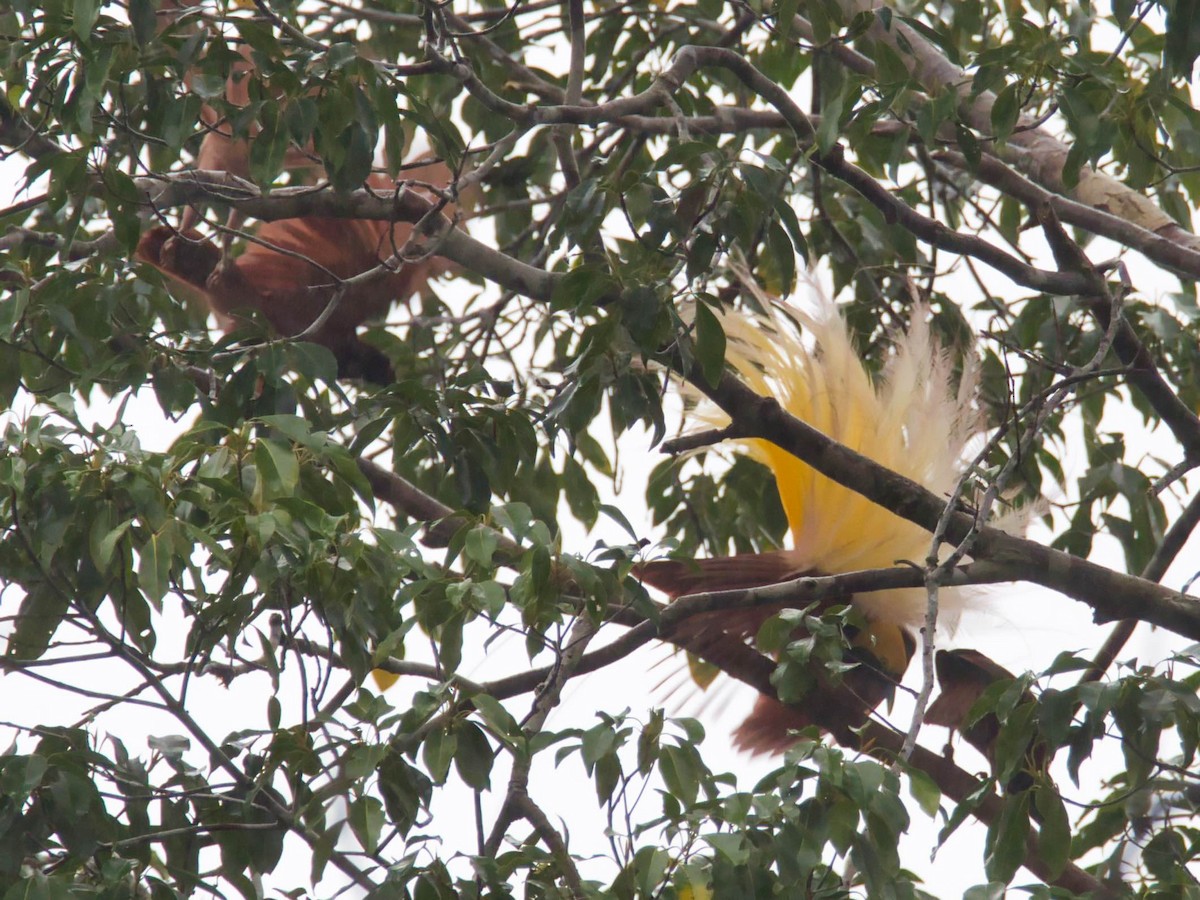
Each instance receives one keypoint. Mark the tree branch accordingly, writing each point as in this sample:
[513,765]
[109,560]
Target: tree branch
[199,186]
[1111,595]
[443,523]
[1182,259]
[538,284]
[18,135]
[1032,148]
[684,65]
[1171,544]
[1143,372]
[517,803]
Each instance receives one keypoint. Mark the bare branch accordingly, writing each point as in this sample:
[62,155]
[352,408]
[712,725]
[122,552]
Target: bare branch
[1182,259]
[21,137]
[1034,149]
[517,803]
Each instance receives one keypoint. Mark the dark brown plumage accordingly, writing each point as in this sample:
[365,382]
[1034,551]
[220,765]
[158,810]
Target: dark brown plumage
[720,638]
[964,676]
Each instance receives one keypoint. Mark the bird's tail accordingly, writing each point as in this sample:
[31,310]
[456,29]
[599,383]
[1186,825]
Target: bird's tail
[913,419]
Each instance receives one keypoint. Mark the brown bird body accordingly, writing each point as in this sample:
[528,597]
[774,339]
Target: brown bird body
[297,269]
[294,274]
[221,149]
[836,705]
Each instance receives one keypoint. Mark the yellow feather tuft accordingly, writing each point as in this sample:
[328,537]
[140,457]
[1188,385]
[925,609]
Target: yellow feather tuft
[913,421]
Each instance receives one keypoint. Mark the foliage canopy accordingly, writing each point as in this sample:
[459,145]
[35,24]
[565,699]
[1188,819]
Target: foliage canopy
[1027,170]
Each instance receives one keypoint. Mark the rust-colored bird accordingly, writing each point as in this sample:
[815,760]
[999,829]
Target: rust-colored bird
[221,149]
[911,420]
[293,275]
[295,271]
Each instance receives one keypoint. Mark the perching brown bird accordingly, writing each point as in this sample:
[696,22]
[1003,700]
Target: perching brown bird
[221,149]
[911,420]
[292,276]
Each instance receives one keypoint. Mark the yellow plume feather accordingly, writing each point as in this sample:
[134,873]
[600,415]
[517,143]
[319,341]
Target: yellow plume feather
[912,421]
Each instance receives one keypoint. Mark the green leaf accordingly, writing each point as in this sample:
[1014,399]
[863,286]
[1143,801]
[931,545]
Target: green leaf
[340,55]
[598,742]
[38,618]
[155,558]
[38,886]
[1005,113]
[474,756]
[367,433]
[438,752]
[358,146]
[85,14]
[19,775]
[829,129]
[451,642]
[1054,836]
[295,428]
[480,545]
[1012,745]
[731,846]
[1055,715]
[679,774]
[964,809]
[791,224]
[783,255]
[968,143]
[993,890]
[144,21]
[822,28]
[775,633]
[785,13]
[103,540]
[710,345]
[1005,849]
[498,718]
[406,791]
[649,742]
[651,865]
[366,821]
[1182,37]
[925,791]
[607,776]
[278,469]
